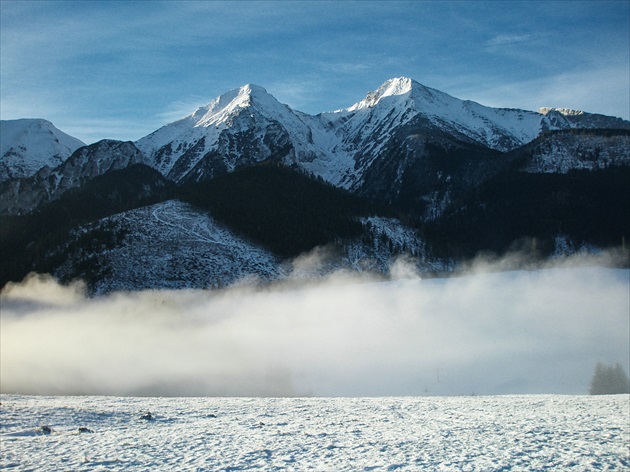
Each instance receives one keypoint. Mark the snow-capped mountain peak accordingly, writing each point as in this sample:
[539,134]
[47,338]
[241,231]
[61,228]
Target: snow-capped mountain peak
[217,137]
[27,145]
[392,87]
[232,103]
[402,101]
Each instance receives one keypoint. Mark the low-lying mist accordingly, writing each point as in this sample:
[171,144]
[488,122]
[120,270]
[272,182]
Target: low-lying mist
[486,332]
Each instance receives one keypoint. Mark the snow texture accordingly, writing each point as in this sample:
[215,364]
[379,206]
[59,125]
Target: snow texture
[517,433]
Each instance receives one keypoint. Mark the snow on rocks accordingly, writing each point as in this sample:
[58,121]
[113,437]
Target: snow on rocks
[563,152]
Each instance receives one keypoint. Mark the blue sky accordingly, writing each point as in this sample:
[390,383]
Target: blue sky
[122,69]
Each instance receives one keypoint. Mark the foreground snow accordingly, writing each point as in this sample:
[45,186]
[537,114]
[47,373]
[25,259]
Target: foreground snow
[531,432]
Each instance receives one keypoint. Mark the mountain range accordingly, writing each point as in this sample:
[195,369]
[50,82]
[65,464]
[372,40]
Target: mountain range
[406,170]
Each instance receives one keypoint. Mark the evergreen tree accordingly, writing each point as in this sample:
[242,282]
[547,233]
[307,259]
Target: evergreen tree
[609,380]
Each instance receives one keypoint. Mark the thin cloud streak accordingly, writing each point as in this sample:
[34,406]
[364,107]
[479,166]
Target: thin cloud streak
[508,39]
[181,108]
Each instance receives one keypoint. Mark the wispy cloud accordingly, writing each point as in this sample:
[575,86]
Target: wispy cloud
[180,108]
[510,39]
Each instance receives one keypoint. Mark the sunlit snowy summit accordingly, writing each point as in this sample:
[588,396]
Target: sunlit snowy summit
[241,127]
[249,125]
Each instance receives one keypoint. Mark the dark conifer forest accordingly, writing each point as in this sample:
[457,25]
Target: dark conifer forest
[285,210]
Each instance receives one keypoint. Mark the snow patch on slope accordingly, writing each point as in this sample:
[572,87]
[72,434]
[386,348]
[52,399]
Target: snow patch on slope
[562,152]
[173,245]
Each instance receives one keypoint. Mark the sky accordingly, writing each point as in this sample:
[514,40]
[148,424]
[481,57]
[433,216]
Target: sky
[120,70]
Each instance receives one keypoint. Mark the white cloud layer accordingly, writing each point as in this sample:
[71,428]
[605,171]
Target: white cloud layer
[484,333]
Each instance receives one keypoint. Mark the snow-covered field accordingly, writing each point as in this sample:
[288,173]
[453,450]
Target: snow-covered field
[531,432]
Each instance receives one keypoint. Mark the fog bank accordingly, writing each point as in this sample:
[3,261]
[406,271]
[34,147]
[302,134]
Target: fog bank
[485,333]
